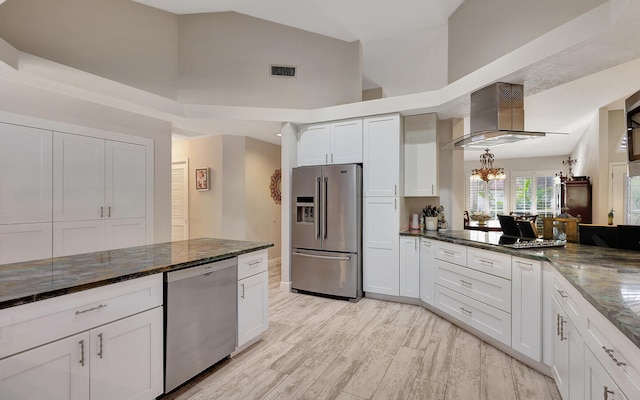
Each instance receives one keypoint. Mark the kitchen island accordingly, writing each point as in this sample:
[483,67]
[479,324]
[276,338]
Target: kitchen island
[90,326]
[572,311]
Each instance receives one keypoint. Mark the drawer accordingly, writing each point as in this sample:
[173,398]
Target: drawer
[570,300]
[453,253]
[34,324]
[486,288]
[497,264]
[619,356]
[486,319]
[252,263]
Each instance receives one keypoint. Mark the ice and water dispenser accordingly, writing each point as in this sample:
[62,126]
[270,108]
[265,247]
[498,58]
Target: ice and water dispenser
[305,210]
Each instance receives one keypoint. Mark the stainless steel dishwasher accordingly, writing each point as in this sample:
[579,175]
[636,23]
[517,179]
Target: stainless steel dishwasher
[200,319]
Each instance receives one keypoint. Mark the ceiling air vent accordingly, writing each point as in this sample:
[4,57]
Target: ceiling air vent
[286,71]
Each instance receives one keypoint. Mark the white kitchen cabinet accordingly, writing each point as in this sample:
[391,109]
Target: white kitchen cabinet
[526,285]
[78,237]
[78,177]
[55,371]
[331,143]
[253,296]
[380,266]
[20,242]
[427,270]
[381,163]
[126,358]
[420,155]
[25,174]
[124,180]
[598,384]
[568,355]
[410,267]
[121,233]
[120,360]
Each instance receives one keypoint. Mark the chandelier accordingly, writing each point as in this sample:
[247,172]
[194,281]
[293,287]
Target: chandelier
[487,172]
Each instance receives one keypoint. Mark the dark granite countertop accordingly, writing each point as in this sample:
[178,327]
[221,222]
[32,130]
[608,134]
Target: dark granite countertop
[608,278]
[31,281]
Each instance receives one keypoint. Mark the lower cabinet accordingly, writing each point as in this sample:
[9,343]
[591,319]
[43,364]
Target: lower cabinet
[568,355]
[77,237]
[253,296]
[599,385]
[526,309]
[380,263]
[427,270]
[119,360]
[410,267]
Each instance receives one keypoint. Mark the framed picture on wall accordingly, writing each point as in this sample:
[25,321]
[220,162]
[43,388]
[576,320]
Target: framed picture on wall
[202,179]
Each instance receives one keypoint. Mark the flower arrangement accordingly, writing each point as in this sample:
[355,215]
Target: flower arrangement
[480,216]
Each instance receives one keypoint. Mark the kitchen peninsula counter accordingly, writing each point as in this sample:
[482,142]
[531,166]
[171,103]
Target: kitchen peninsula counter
[609,279]
[31,281]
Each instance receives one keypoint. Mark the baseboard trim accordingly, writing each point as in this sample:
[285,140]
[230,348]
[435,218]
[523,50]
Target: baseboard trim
[285,286]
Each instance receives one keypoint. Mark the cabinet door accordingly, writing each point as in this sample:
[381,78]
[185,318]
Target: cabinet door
[127,358]
[599,384]
[381,163]
[125,180]
[526,308]
[25,174]
[78,177]
[380,267]
[59,370]
[427,271]
[121,233]
[77,237]
[560,366]
[346,142]
[420,155]
[253,307]
[409,267]
[576,361]
[23,242]
[314,145]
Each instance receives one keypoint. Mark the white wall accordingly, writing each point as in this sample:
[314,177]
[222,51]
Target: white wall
[224,59]
[481,31]
[117,39]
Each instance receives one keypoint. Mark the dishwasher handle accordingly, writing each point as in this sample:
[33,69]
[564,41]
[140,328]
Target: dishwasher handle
[204,269]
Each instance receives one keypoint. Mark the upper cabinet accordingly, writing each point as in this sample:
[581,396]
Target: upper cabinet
[381,164]
[25,174]
[97,179]
[332,143]
[420,155]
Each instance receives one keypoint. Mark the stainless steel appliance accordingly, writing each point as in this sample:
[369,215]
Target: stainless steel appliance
[200,319]
[326,232]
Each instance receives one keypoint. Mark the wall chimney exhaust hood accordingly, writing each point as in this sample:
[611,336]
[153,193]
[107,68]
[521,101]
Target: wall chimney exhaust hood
[496,117]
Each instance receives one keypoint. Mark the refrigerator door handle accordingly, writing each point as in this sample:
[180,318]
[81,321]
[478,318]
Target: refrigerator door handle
[324,206]
[343,258]
[316,206]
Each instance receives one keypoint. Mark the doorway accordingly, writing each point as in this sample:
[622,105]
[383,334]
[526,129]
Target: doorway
[179,200]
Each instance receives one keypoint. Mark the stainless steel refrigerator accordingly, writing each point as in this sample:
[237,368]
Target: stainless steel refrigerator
[326,231]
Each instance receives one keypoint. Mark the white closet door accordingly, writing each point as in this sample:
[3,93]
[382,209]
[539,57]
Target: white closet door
[179,201]
[125,180]
[25,174]
[78,176]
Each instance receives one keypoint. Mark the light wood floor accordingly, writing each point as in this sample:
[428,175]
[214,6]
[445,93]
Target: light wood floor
[318,348]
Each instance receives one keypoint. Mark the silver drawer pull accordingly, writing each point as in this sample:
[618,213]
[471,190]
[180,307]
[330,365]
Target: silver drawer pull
[448,253]
[486,262]
[465,283]
[255,263]
[612,357]
[563,294]
[608,351]
[607,392]
[100,345]
[91,309]
[81,352]
[465,311]
[562,322]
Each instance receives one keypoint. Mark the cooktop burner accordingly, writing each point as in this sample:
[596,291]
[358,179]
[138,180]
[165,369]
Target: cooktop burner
[533,244]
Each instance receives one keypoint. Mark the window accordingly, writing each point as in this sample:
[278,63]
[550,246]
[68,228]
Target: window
[487,196]
[534,193]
